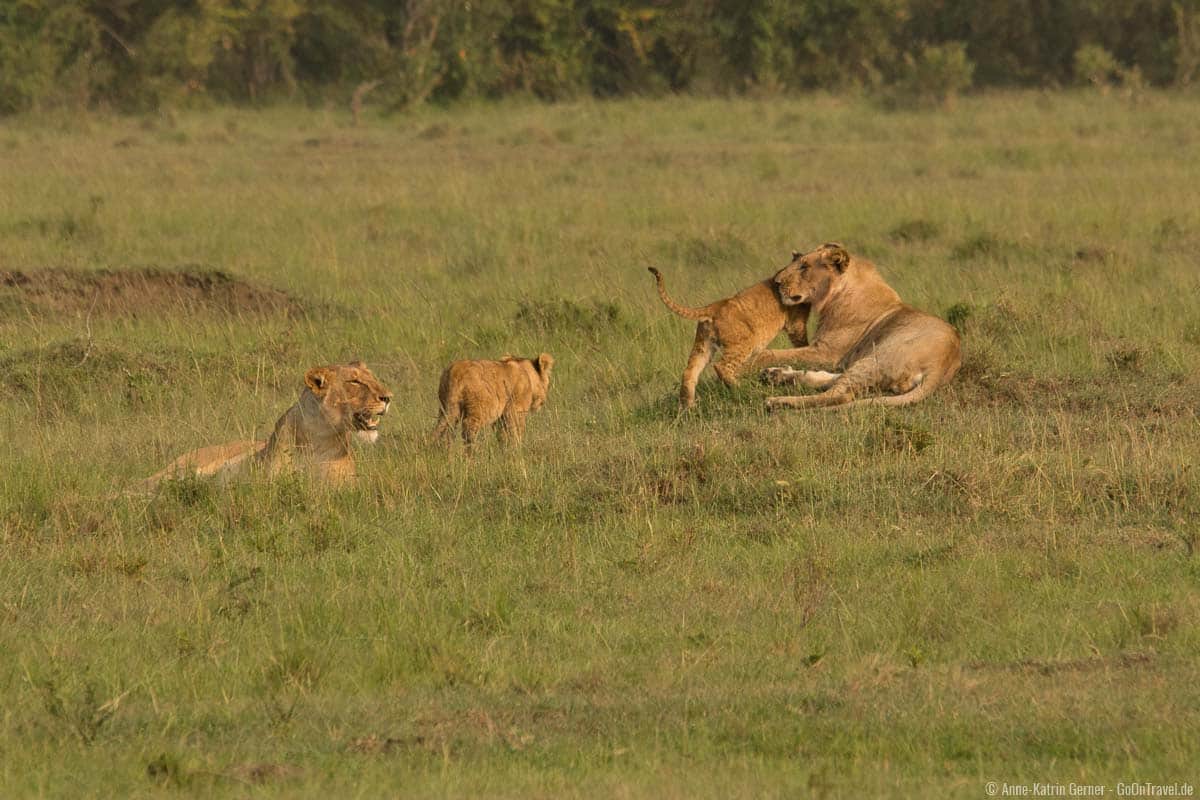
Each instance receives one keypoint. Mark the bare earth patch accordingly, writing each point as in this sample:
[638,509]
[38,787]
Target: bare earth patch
[138,292]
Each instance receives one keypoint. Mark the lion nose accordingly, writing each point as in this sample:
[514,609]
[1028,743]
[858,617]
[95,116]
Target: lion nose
[386,399]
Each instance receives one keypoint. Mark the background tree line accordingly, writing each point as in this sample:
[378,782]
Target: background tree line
[142,54]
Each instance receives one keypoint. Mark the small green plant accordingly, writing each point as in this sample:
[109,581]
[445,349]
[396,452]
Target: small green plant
[958,314]
[81,709]
[167,769]
[290,677]
[915,656]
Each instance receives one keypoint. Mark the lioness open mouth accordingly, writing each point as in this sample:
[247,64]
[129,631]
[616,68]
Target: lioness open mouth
[366,422]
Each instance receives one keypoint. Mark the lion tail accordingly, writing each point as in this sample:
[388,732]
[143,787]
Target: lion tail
[683,311]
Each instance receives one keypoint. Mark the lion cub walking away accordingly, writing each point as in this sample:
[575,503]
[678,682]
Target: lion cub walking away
[481,393]
[742,326]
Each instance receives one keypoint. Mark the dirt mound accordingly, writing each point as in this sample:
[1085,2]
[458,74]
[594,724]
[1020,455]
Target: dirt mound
[138,292]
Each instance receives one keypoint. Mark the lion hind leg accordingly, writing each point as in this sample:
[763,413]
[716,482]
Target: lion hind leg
[835,396]
[926,385]
[732,362]
[472,424]
[702,352]
[447,421]
[205,462]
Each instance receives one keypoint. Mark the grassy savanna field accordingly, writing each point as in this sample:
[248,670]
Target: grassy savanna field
[995,585]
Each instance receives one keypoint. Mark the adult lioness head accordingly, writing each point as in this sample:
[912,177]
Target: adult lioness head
[348,397]
[811,275]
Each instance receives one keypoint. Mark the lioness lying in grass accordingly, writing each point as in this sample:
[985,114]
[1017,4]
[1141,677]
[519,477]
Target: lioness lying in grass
[338,402]
[876,343]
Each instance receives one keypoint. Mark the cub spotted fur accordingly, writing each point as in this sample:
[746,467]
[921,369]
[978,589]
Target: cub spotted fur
[338,402]
[742,326]
[885,352]
[503,393]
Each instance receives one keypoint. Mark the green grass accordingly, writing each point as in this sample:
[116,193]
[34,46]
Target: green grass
[997,584]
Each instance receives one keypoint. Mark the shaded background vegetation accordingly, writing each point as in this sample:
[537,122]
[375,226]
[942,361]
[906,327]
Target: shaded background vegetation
[144,54]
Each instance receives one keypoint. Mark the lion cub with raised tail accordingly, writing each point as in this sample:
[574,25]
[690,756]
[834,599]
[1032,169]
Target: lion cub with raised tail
[742,326]
[503,393]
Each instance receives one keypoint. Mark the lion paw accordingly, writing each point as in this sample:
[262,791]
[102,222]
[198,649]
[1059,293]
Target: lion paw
[777,376]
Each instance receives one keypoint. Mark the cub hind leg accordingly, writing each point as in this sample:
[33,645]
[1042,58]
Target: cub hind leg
[702,352]
[734,358]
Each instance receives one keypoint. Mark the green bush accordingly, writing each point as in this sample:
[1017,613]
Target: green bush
[135,55]
[49,56]
[932,78]
[1096,66]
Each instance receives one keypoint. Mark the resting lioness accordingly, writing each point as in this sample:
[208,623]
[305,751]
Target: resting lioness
[338,402]
[877,343]
[742,326]
[482,393]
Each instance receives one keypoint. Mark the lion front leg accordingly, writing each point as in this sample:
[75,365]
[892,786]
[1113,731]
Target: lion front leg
[813,355]
[787,376]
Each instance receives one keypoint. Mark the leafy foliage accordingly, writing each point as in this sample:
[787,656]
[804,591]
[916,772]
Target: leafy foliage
[138,55]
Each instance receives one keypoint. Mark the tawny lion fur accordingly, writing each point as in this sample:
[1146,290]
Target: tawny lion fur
[885,352]
[338,402]
[742,326]
[503,393]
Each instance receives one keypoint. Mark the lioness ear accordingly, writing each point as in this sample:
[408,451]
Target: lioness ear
[544,363]
[837,255]
[795,254]
[358,364]
[317,379]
